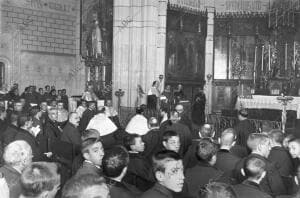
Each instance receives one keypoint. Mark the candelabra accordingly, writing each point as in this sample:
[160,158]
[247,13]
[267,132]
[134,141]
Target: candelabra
[284,100]
[119,94]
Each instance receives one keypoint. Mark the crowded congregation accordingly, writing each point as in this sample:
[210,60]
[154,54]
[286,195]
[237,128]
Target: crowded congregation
[149,99]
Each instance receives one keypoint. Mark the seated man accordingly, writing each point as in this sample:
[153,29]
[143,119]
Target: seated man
[226,161]
[87,186]
[17,155]
[279,155]
[260,146]
[204,172]
[171,141]
[168,171]
[115,163]
[254,170]
[92,151]
[139,171]
[39,180]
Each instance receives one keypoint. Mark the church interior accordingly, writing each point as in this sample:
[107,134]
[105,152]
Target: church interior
[219,68]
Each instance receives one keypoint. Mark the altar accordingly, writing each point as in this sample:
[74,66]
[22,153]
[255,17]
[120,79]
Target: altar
[267,102]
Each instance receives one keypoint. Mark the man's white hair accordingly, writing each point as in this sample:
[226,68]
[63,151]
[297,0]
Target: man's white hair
[16,152]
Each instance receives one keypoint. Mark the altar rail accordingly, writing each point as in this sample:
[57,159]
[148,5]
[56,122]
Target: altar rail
[221,123]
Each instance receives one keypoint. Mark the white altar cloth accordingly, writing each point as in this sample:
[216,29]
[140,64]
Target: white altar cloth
[267,102]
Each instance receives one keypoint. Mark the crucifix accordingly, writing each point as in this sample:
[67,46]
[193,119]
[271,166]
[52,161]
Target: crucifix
[284,100]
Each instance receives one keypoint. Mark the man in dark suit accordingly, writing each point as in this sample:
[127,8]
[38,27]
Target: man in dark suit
[204,172]
[115,164]
[12,129]
[243,128]
[255,171]
[260,146]
[70,132]
[139,171]
[27,134]
[226,161]
[184,117]
[182,130]
[51,129]
[92,152]
[87,115]
[279,155]
[168,171]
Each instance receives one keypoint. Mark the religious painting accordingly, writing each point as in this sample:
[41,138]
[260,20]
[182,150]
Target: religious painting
[96,28]
[185,47]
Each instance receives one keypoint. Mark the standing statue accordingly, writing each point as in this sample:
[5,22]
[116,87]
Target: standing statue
[96,39]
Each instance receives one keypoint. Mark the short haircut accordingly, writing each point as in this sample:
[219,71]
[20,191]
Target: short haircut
[161,158]
[219,190]
[228,136]
[254,167]
[296,141]
[206,149]
[39,177]
[153,122]
[23,118]
[169,134]
[87,143]
[129,140]
[206,131]
[77,186]
[114,161]
[276,135]
[90,133]
[256,139]
[16,152]
[243,112]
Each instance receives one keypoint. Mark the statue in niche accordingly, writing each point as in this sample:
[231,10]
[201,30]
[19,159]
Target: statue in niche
[94,41]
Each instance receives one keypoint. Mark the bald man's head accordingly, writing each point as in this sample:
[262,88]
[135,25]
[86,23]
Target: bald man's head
[228,137]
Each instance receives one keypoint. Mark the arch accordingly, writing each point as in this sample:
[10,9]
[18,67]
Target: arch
[7,70]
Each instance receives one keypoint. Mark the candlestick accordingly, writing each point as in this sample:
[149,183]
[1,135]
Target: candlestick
[294,57]
[254,68]
[262,58]
[269,57]
[285,57]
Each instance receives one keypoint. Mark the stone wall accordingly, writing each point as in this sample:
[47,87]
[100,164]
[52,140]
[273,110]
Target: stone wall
[47,33]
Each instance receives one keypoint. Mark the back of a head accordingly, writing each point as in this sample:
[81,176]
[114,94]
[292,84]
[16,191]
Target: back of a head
[206,131]
[17,153]
[39,178]
[153,122]
[139,110]
[219,190]
[34,110]
[129,140]
[114,161]
[228,137]
[90,133]
[276,135]
[206,149]
[256,139]
[87,186]
[254,167]
[160,159]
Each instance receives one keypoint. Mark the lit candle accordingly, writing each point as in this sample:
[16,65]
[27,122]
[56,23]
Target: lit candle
[285,57]
[262,58]
[269,57]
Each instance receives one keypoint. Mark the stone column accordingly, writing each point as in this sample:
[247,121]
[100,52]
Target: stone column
[209,58]
[138,46]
